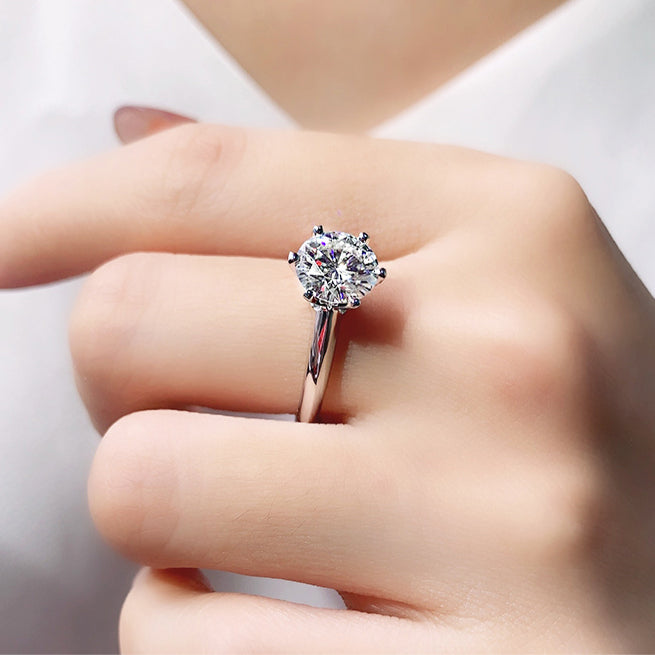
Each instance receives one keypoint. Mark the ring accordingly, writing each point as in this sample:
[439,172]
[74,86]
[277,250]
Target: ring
[336,270]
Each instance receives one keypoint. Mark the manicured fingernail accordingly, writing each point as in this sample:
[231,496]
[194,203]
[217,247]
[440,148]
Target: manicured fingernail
[193,579]
[132,123]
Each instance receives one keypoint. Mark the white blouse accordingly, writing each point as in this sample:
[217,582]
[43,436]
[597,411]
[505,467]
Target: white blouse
[577,89]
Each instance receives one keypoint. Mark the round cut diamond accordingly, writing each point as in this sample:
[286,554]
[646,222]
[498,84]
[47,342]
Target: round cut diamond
[336,269]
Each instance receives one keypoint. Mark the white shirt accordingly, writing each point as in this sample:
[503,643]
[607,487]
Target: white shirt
[577,89]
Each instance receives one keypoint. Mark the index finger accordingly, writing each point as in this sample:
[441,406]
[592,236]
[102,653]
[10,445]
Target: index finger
[212,189]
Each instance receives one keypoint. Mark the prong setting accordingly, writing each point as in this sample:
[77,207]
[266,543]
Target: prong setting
[336,269]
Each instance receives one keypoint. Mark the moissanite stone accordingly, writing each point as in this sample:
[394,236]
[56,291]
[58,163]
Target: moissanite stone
[336,269]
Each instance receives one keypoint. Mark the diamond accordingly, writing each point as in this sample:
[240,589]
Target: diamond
[336,269]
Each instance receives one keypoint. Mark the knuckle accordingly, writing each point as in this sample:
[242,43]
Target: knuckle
[106,317]
[197,158]
[542,210]
[568,510]
[539,365]
[132,489]
[564,210]
[536,357]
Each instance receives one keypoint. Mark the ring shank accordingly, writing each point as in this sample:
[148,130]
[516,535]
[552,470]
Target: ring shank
[321,354]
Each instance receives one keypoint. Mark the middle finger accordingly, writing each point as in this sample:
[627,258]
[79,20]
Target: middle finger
[210,189]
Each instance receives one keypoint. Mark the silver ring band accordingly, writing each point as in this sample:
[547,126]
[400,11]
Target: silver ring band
[321,354]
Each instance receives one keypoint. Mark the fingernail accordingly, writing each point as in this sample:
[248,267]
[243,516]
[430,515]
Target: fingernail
[192,579]
[196,579]
[132,123]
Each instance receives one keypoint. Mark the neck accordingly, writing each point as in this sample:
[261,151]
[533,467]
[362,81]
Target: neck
[347,65]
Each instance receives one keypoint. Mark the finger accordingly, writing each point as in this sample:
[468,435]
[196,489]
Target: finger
[132,123]
[306,502]
[226,190]
[174,611]
[153,330]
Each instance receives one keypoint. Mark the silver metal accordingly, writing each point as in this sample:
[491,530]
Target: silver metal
[363,237]
[321,354]
[318,229]
[381,273]
[293,257]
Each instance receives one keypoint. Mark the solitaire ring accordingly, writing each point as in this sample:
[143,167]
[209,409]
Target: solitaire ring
[336,270]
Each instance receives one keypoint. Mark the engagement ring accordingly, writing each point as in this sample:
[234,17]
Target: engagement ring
[336,270]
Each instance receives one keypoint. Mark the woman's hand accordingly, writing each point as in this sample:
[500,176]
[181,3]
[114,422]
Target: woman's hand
[487,480]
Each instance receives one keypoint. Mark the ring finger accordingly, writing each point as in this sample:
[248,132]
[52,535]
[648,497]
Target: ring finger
[157,330]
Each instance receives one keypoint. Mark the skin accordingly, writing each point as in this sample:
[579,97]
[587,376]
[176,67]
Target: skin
[347,66]
[484,482]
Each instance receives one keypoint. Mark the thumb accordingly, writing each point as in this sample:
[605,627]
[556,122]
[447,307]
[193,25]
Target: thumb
[132,123]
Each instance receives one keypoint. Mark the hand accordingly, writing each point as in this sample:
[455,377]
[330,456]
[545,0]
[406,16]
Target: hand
[487,481]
